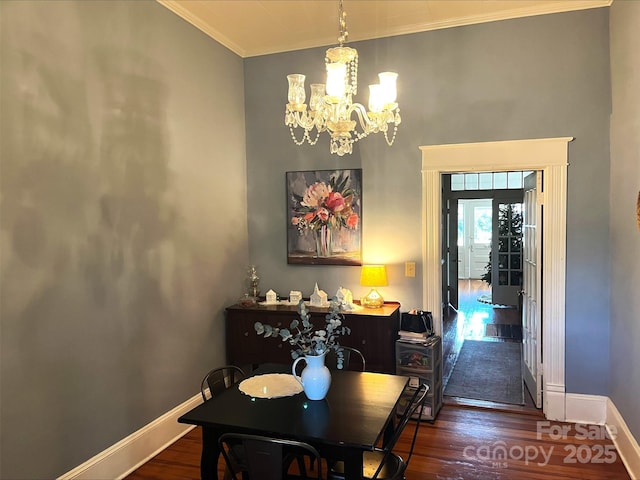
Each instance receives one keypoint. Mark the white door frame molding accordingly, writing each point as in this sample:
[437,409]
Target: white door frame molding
[550,155]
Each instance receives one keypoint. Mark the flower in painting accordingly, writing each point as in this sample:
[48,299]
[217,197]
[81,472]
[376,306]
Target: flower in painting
[352,221]
[326,203]
[335,201]
[323,214]
[315,195]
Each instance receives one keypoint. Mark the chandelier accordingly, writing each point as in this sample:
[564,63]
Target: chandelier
[331,107]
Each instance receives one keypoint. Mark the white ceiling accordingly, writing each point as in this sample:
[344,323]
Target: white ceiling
[259,27]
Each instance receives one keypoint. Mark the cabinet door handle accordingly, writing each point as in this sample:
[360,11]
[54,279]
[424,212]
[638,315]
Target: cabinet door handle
[364,342]
[280,345]
[246,334]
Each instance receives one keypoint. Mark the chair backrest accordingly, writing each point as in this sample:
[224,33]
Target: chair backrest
[414,407]
[219,379]
[264,458]
[360,364]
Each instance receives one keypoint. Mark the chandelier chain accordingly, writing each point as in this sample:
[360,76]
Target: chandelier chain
[342,24]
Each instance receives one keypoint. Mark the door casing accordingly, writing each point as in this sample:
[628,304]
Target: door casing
[547,154]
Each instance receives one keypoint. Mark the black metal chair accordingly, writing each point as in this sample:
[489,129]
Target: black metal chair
[266,458]
[347,353]
[383,463]
[219,379]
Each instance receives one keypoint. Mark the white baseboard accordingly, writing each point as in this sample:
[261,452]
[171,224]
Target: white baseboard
[554,402]
[589,409]
[626,445]
[129,453]
[600,410]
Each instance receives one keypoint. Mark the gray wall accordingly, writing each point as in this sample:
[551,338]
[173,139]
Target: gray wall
[123,222]
[121,241]
[545,76]
[625,233]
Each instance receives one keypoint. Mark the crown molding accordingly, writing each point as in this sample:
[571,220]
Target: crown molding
[205,21]
[520,12]
[180,9]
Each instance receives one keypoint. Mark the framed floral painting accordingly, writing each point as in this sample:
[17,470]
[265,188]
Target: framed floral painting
[324,212]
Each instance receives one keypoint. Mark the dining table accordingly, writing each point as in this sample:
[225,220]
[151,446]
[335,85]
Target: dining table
[354,417]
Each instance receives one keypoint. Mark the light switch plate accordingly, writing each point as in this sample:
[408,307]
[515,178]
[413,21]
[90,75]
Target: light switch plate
[410,269]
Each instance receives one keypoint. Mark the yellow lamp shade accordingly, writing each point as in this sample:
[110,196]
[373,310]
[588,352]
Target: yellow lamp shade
[373,276]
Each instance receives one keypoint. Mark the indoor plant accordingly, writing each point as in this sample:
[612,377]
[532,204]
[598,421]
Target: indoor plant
[305,338]
[312,345]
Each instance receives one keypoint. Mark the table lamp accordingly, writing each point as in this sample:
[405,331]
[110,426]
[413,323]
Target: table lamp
[373,276]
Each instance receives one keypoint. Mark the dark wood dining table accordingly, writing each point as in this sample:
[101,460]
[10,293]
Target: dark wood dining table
[350,420]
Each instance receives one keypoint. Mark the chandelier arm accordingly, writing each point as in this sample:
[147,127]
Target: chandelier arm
[304,120]
[320,122]
[366,123]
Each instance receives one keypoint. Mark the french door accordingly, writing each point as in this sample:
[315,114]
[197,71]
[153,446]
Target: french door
[532,287]
[506,248]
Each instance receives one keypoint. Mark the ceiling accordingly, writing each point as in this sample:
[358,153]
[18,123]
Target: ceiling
[260,27]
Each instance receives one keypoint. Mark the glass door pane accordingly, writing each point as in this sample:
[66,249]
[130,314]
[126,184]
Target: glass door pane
[507,279]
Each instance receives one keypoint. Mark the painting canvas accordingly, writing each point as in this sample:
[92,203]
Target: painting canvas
[324,213]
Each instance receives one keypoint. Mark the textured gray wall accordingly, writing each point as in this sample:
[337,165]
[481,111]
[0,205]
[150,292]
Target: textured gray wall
[625,233]
[544,76]
[123,222]
[124,219]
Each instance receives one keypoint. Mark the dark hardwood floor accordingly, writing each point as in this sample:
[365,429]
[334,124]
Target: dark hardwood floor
[464,443]
[469,440]
[470,322]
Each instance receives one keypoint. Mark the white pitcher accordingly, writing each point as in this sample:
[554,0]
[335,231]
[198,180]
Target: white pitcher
[315,378]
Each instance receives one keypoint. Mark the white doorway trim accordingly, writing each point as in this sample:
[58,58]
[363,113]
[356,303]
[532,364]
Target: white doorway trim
[550,155]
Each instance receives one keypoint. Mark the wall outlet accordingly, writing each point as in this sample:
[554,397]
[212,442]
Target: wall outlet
[410,269]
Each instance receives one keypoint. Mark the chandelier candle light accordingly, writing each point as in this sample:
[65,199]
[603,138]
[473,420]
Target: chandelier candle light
[331,106]
[373,276]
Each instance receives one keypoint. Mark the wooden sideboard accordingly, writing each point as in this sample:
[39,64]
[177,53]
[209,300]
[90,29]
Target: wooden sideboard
[373,332]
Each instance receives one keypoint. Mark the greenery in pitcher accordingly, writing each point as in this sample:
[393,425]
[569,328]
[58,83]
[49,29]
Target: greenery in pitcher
[305,338]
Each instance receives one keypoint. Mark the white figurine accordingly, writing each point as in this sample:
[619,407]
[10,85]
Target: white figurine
[271,297]
[340,295]
[294,297]
[345,298]
[318,297]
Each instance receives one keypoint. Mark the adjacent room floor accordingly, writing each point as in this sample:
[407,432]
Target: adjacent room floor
[478,319]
